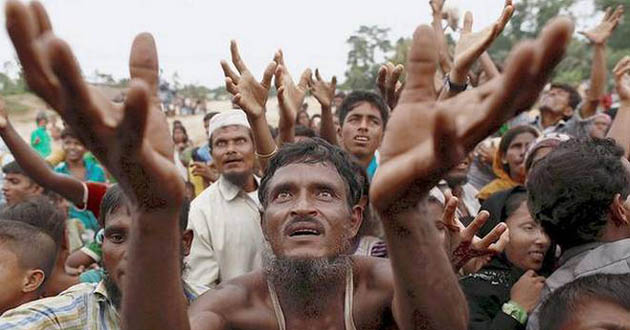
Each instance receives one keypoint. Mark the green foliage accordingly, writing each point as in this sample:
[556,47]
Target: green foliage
[365,45]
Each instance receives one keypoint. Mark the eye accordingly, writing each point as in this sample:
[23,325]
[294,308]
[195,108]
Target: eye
[220,144]
[116,238]
[283,196]
[240,141]
[325,194]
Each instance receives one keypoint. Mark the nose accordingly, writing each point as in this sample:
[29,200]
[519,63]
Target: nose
[542,239]
[363,125]
[303,207]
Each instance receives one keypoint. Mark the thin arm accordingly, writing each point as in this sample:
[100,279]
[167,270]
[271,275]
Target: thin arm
[598,81]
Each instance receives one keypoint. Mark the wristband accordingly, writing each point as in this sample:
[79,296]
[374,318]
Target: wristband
[456,88]
[515,311]
[269,155]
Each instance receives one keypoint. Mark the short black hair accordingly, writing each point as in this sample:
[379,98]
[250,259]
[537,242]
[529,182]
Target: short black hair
[68,133]
[313,151]
[209,115]
[510,135]
[41,212]
[13,168]
[33,247]
[574,96]
[353,99]
[115,198]
[301,130]
[570,190]
[566,301]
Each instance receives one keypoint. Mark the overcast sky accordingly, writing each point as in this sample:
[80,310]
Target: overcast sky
[193,35]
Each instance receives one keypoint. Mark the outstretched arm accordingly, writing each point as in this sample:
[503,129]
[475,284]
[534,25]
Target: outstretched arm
[598,37]
[251,96]
[619,128]
[36,167]
[324,92]
[424,140]
[445,62]
[133,142]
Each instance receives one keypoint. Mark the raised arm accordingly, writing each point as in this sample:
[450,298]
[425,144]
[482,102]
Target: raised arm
[598,37]
[388,84]
[445,62]
[251,96]
[132,141]
[423,141]
[36,167]
[471,46]
[290,98]
[619,130]
[324,92]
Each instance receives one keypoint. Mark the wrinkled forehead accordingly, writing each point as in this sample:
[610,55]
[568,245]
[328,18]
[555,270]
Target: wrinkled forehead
[229,132]
[119,216]
[308,174]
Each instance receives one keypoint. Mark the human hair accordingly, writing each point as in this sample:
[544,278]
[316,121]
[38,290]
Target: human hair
[355,98]
[301,130]
[40,212]
[513,202]
[115,198]
[33,247]
[303,111]
[313,151]
[41,115]
[569,299]
[209,115]
[68,133]
[574,96]
[13,168]
[572,188]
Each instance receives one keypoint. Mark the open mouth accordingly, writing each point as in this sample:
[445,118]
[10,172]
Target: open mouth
[360,138]
[232,161]
[304,229]
[537,255]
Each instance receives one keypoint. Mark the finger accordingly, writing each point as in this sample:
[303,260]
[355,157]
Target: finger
[391,85]
[550,49]
[143,61]
[448,214]
[421,65]
[135,116]
[506,14]
[230,86]
[41,17]
[268,74]
[303,83]
[227,71]
[333,83]
[448,153]
[279,57]
[472,229]
[468,22]
[282,99]
[498,246]
[529,273]
[236,57]
[317,75]
[310,81]
[607,14]
[493,236]
[380,79]
[68,72]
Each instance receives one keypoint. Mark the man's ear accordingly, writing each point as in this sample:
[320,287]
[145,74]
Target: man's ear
[33,280]
[618,212]
[187,238]
[356,218]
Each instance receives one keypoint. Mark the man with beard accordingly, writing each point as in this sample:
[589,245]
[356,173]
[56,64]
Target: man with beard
[310,196]
[456,182]
[225,217]
[96,305]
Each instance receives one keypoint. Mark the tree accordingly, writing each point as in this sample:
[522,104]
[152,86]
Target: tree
[365,45]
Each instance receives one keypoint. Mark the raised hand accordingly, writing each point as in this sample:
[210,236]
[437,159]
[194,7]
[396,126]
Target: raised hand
[622,79]
[323,91]
[388,83]
[471,45]
[425,137]
[526,291]
[132,139]
[436,6]
[600,34]
[464,243]
[249,94]
[294,93]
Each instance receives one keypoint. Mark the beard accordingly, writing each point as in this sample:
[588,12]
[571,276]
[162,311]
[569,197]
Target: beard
[304,282]
[456,180]
[238,179]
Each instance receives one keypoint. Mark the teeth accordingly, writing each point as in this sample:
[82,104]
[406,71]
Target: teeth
[361,138]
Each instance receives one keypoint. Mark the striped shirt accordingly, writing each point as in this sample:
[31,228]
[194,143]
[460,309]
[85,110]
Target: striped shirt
[83,306]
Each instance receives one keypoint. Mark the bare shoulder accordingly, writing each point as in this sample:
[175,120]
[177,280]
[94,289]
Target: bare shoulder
[374,293]
[376,271]
[234,304]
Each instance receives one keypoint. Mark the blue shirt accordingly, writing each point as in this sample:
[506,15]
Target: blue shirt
[93,172]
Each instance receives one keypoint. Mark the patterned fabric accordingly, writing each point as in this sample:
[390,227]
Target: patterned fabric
[83,306]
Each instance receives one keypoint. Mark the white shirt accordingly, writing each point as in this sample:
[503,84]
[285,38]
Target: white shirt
[228,239]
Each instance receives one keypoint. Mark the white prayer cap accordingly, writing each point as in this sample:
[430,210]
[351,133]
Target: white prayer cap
[228,118]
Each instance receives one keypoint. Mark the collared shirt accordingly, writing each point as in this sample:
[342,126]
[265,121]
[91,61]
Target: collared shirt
[228,236]
[585,260]
[574,126]
[83,306]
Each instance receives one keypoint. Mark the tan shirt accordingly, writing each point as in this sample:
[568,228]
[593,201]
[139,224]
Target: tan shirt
[228,239]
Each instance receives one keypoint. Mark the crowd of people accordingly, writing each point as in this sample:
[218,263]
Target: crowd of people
[436,201]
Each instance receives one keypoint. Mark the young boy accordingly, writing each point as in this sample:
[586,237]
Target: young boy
[27,257]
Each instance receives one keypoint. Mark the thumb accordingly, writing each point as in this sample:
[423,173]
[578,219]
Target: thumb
[133,125]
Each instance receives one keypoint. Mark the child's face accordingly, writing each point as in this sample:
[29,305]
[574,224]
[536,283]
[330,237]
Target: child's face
[12,277]
[73,148]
